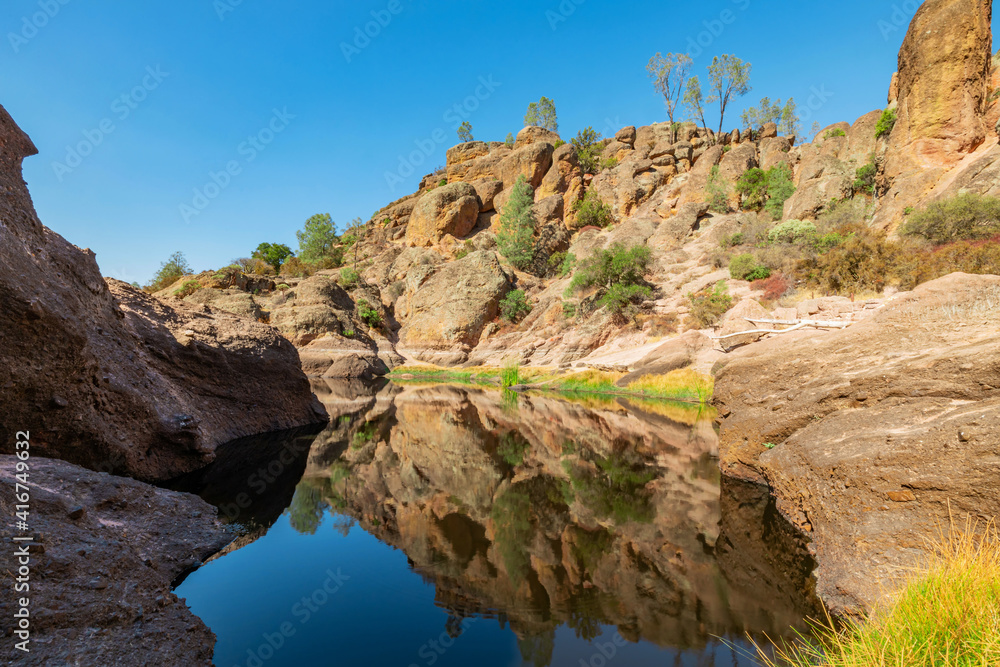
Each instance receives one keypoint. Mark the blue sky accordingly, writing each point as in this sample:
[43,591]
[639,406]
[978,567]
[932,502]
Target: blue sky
[209,126]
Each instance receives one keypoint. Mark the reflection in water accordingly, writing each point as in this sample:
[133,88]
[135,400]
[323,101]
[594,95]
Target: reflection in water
[577,527]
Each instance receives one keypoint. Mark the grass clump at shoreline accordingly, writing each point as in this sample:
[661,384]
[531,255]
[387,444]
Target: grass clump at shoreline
[949,616]
[679,385]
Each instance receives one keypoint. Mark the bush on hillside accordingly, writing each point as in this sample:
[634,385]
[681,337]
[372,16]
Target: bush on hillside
[966,216]
[588,149]
[516,234]
[172,270]
[368,314]
[591,211]
[780,187]
[349,277]
[707,306]
[317,238]
[746,267]
[792,231]
[885,123]
[515,307]
[717,191]
[187,289]
[274,254]
[618,276]
[752,186]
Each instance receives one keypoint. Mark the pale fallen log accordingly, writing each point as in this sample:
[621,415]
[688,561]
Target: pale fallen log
[760,332]
[812,323]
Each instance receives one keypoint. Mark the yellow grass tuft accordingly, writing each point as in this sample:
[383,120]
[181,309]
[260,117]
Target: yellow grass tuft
[681,383]
[948,616]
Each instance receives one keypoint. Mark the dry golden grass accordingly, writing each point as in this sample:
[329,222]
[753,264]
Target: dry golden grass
[947,616]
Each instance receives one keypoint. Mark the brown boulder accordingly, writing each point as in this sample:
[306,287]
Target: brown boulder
[532,161]
[449,209]
[444,313]
[820,179]
[768,131]
[487,189]
[626,135]
[465,152]
[835,422]
[535,135]
[774,151]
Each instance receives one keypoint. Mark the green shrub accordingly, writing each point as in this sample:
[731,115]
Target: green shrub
[443,182]
[864,179]
[588,149]
[509,142]
[510,375]
[514,307]
[282,287]
[835,132]
[885,123]
[468,247]
[618,274]
[709,305]
[792,231]
[318,238]
[717,191]
[610,163]
[780,187]
[759,273]
[274,254]
[591,211]
[172,270]
[741,266]
[569,309]
[966,216]
[731,241]
[559,142]
[187,289]
[516,235]
[349,277]
[752,186]
[368,314]
[561,263]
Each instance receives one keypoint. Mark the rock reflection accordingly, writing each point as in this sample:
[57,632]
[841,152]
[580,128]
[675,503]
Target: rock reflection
[553,512]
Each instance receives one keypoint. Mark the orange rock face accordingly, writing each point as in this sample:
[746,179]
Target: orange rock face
[944,76]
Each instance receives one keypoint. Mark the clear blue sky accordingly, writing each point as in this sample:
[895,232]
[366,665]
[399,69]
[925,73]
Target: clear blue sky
[201,77]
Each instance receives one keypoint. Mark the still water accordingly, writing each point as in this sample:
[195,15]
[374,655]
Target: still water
[453,526]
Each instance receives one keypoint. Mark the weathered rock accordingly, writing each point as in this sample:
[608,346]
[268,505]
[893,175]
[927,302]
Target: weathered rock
[735,320]
[231,300]
[774,151]
[549,210]
[628,185]
[821,178]
[104,554]
[674,354]
[768,131]
[487,189]
[532,161]
[626,135]
[465,152]
[450,209]
[694,188]
[445,312]
[858,417]
[535,135]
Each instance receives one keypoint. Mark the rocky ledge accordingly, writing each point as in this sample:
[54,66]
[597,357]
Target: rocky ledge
[104,553]
[872,438]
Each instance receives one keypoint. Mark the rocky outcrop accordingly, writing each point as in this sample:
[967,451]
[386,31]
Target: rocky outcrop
[445,311]
[110,378]
[450,209]
[873,437]
[104,553]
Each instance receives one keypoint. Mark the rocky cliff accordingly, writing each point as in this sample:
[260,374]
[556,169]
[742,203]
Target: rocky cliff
[112,379]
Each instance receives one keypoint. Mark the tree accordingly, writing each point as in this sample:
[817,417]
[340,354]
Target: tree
[317,238]
[588,149]
[790,119]
[172,270]
[694,101]
[766,112]
[465,131]
[617,274]
[509,142]
[542,114]
[728,77]
[516,235]
[274,254]
[669,74]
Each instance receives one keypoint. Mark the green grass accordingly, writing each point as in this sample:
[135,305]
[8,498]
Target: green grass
[681,385]
[947,616]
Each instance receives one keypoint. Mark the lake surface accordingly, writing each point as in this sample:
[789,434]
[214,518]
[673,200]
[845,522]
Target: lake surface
[443,525]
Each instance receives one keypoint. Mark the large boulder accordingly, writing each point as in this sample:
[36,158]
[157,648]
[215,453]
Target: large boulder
[873,437]
[107,550]
[107,377]
[465,152]
[444,312]
[565,177]
[535,135]
[627,186]
[449,209]
[531,161]
[821,178]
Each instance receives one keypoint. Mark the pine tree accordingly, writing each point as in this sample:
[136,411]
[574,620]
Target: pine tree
[516,236]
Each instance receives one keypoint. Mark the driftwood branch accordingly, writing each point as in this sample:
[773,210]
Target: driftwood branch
[812,323]
[795,325]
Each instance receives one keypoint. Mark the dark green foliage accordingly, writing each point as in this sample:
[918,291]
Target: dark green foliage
[512,448]
[864,179]
[561,263]
[465,131]
[588,149]
[885,123]
[516,235]
[591,211]
[368,314]
[172,270]
[766,189]
[317,238]
[966,216]
[618,274]
[509,142]
[616,490]
[349,277]
[835,132]
[709,305]
[514,307]
[752,186]
[306,510]
[511,515]
[274,254]
[717,191]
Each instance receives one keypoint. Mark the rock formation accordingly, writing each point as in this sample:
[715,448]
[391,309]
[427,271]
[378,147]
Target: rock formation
[112,379]
[873,437]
